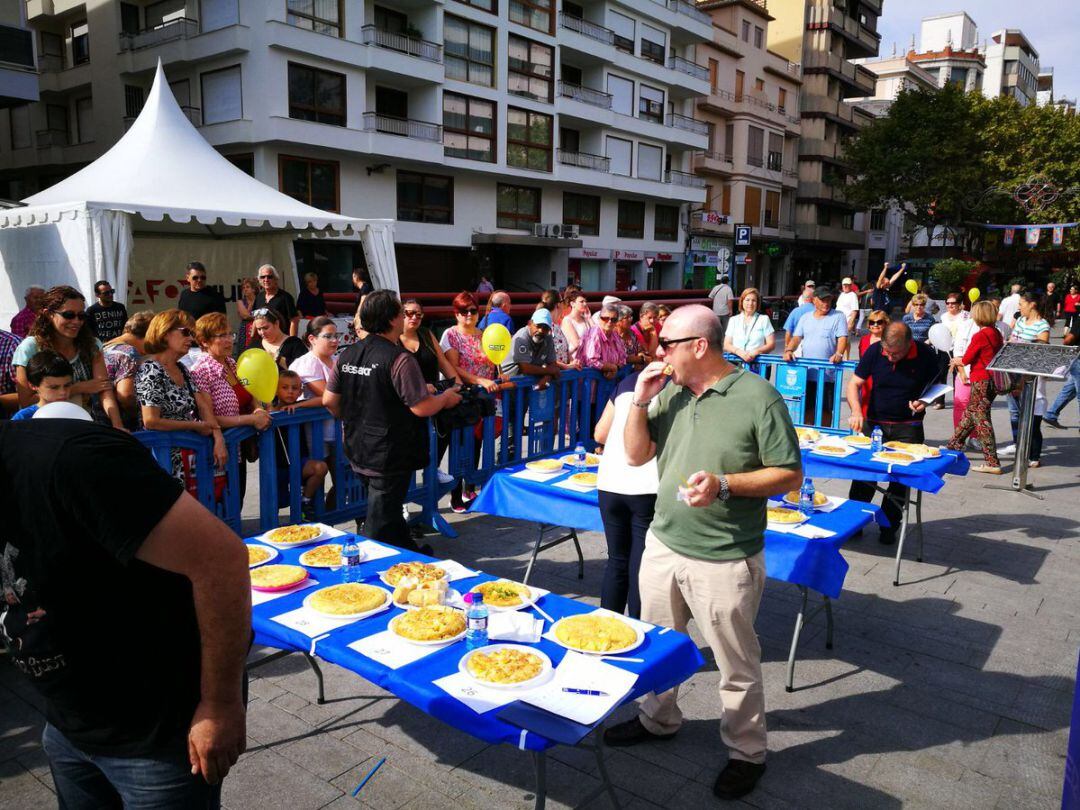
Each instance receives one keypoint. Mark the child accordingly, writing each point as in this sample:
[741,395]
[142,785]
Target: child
[312,473]
[51,377]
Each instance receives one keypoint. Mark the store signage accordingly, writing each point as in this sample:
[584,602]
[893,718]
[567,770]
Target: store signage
[590,253]
[628,255]
[743,235]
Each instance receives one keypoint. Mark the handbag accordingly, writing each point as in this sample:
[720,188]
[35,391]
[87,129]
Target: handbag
[475,404]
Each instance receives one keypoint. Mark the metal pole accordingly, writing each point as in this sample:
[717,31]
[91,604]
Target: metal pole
[1023,441]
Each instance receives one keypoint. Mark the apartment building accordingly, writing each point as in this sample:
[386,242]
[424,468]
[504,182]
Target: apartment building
[749,168]
[949,51]
[824,36]
[1012,66]
[18,76]
[535,143]
[1044,95]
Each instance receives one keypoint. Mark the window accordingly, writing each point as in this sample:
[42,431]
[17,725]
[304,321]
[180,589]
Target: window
[847,222]
[129,19]
[245,162]
[162,12]
[622,94]
[781,101]
[532,13]
[714,73]
[84,120]
[571,74]
[651,104]
[729,142]
[80,43]
[624,28]
[528,139]
[823,217]
[517,207]
[314,182]
[752,206]
[391,21]
[56,121]
[740,80]
[776,152]
[725,199]
[20,127]
[469,51]
[959,77]
[51,53]
[425,198]
[582,210]
[133,100]
[392,103]
[745,30]
[877,219]
[619,152]
[316,95]
[759,36]
[666,224]
[529,69]
[772,209]
[653,42]
[650,162]
[631,219]
[468,127]
[569,140]
[759,85]
[222,96]
[483,5]
[320,16]
[755,145]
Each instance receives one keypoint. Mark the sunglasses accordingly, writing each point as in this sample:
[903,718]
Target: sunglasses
[413,313]
[184,331]
[952,303]
[609,318]
[875,323]
[198,278]
[667,343]
[68,315]
[260,313]
[469,311]
[261,278]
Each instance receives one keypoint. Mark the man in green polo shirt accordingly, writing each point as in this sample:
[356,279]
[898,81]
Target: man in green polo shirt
[724,444]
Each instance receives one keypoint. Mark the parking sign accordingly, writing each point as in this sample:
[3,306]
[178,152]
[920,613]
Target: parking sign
[742,235]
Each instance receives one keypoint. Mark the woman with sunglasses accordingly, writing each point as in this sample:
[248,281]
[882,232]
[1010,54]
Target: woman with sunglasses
[420,342]
[602,348]
[876,322]
[168,397]
[283,347]
[61,326]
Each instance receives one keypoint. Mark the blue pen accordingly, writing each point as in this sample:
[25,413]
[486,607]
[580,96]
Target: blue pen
[370,774]
[592,692]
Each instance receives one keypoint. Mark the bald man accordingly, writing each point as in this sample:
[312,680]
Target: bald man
[499,312]
[724,443]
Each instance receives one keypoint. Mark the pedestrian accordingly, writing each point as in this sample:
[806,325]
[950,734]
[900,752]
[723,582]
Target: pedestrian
[646,330]
[602,348]
[9,396]
[123,355]
[379,393]
[847,304]
[576,322]
[107,318]
[156,715]
[245,303]
[485,285]
[283,347]
[271,296]
[806,292]
[1053,300]
[976,421]
[310,302]
[51,377]
[721,296]
[1069,391]
[532,351]
[899,369]
[312,471]
[361,283]
[704,551]
[25,317]
[1070,308]
[498,312]
[1010,306]
[823,335]
[918,320]
[750,333]
[199,299]
[880,298]
[1031,326]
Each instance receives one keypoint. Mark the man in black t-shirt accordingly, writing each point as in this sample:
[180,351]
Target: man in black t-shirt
[132,623]
[107,318]
[198,299]
[271,296]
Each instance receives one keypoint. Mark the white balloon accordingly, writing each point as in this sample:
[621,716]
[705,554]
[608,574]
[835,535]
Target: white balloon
[62,410]
[940,337]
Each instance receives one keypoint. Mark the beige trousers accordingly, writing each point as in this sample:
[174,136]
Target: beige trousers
[723,597]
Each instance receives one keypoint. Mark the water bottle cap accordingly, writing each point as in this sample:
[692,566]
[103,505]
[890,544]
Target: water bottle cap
[468,598]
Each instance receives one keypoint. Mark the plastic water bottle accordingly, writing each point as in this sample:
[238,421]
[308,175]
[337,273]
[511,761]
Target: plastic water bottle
[806,497]
[875,440]
[476,621]
[350,558]
[580,464]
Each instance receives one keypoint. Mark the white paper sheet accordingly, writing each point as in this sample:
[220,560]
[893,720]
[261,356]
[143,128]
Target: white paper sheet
[536,475]
[478,698]
[812,532]
[568,484]
[309,622]
[583,672]
[455,570]
[376,551]
[392,651]
[934,391]
[261,597]
[519,626]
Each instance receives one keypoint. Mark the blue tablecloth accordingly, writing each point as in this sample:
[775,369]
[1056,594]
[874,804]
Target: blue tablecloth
[816,564]
[927,475]
[670,658]
[1070,791]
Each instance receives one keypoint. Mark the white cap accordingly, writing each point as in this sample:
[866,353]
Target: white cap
[847,280]
[610,299]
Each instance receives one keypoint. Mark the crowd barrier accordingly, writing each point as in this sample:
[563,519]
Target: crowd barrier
[529,422]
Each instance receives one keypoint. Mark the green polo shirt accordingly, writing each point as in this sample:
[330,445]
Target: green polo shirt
[740,424]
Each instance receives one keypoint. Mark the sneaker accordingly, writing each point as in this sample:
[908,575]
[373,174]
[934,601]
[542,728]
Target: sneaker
[630,733]
[469,497]
[986,468]
[445,478]
[458,506]
[1034,463]
[937,407]
[1008,450]
[737,779]
[1052,422]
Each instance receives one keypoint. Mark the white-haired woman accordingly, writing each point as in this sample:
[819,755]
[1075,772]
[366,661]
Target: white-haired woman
[271,296]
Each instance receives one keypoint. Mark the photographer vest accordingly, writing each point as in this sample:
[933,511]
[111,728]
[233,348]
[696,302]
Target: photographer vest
[381,434]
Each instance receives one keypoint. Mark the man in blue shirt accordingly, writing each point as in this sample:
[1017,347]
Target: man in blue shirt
[823,334]
[793,319]
[500,312]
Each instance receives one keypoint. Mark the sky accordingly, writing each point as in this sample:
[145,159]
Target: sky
[1049,25]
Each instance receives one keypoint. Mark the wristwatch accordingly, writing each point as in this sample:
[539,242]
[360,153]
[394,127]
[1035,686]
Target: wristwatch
[725,490]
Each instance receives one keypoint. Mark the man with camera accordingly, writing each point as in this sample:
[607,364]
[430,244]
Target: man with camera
[379,393]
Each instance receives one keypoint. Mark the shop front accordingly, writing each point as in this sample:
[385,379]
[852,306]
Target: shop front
[588,267]
[709,258]
[629,268]
[663,271]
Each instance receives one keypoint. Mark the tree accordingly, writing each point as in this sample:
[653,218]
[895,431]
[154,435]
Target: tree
[949,274]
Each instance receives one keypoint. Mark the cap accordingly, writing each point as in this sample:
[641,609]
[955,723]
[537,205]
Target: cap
[542,316]
[809,283]
[847,280]
[823,293]
[610,299]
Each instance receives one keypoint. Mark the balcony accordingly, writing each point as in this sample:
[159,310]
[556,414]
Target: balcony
[677,178]
[403,127]
[713,162]
[413,46]
[586,29]
[857,34]
[16,47]
[48,138]
[860,79]
[585,95]
[170,31]
[838,112]
[192,114]
[584,160]
[689,10]
[688,67]
[688,124]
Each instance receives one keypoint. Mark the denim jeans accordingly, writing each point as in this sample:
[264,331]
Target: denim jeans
[162,781]
[1067,394]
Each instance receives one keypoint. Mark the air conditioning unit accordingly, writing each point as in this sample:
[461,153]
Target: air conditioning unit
[540,229]
[570,232]
[551,230]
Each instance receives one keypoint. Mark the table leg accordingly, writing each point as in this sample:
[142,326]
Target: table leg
[314,664]
[799,618]
[828,622]
[536,550]
[598,750]
[900,540]
[580,558]
[540,766]
[918,521]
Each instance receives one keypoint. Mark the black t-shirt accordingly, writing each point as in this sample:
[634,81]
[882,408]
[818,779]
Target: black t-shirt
[202,302]
[894,386]
[282,303]
[110,642]
[292,349]
[107,322]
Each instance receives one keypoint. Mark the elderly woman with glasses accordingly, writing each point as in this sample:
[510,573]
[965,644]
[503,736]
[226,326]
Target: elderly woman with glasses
[750,333]
[214,373]
[602,348]
[271,296]
[635,354]
[61,326]
[269,329]
[168,397]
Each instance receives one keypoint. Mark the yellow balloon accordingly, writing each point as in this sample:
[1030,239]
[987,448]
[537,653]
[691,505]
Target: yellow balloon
[258,373]
[496,343]
[911,285]
[973,294]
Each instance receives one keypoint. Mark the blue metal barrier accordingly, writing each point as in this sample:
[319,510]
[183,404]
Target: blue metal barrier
[817,371]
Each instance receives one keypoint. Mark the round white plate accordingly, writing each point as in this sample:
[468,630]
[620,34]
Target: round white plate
[386,604]
[439,642]
[802,519]
[382,578]
[554,637]
[545,673]
[511,608]
[451,596]
[883,457]
[363,556]
[571,461]
[789,502]
[264,539]
[273,555]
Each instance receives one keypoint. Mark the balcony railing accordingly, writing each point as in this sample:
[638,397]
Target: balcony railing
[688,67]
[16,46]
[677,178]
[45,138]
[402,43]
[688,124]
[584,160]
[404,127]
[682,7]
[180,28]
[586,95]
[586,28]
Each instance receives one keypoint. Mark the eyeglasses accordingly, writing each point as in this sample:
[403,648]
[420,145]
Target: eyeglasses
[413,313]
[261,278]
[875,323]
[184,331]
[667,343]
[609,318]
[469,311]
[105,292]
[333,337]
[198,278]
[68,315]
[952,303]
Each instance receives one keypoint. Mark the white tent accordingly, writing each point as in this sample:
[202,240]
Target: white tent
[161,177]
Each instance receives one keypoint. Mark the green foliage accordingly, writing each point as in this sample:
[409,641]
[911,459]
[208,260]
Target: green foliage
[949,274]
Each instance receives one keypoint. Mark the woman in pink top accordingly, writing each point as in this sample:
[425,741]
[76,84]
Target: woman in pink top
[602,348]
[646,330]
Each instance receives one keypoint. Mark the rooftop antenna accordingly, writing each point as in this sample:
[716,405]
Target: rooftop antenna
[894,49]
